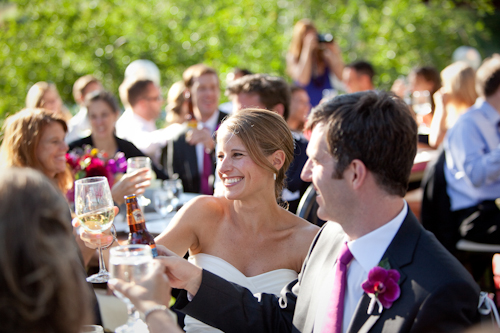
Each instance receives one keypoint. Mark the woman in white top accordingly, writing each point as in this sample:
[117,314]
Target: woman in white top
[245,236]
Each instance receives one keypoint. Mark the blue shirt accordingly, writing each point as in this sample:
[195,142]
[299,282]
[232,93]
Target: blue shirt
[472,149]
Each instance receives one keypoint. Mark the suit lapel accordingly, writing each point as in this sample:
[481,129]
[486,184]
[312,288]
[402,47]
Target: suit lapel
[399,253]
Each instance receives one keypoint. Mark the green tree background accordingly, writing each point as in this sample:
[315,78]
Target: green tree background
[61,40]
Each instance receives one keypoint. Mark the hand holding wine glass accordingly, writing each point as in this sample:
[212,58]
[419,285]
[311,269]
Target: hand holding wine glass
[95,210]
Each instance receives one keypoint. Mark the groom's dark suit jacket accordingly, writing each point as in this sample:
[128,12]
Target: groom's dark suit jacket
[437,293]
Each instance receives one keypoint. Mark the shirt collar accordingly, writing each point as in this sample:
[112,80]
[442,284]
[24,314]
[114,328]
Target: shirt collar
[369,249]
[211,123]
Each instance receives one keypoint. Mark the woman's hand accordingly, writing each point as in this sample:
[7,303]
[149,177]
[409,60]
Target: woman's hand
[131,183]
[310,42]
[333,58]
[94,240]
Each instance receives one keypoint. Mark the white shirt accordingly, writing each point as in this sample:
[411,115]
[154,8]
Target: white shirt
[211,124]
[78,126]
[143,134]
[367,252]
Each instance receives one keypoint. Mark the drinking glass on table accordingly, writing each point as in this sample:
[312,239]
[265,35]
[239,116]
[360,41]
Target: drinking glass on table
[421,104]
[130,263]
[95,210]
[138,163]
[167,198]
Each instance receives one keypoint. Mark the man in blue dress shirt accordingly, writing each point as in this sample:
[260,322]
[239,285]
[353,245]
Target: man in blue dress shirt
[472,169]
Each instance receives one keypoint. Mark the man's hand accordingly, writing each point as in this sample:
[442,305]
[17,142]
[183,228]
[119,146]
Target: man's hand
[204,136]
[181,273]
[152,290]
[131,183]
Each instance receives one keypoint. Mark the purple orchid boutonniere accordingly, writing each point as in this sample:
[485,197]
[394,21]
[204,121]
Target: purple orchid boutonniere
[382,286]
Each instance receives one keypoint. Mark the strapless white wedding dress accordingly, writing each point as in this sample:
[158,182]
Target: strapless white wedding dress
[270,283]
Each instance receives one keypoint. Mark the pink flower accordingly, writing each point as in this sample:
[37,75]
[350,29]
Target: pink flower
[383,284]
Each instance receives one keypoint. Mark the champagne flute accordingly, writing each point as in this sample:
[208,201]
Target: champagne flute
[130,263]
[138,163]
[95,209]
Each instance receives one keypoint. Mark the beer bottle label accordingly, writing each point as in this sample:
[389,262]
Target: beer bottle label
[153,250]
[138,216]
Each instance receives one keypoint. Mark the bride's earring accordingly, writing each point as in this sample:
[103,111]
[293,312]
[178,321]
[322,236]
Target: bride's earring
[274,175]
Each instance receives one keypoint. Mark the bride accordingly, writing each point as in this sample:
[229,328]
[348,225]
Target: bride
[245,236]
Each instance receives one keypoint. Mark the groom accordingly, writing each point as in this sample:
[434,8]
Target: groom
[360,157]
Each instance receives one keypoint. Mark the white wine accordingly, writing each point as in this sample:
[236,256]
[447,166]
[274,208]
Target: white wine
[98,221]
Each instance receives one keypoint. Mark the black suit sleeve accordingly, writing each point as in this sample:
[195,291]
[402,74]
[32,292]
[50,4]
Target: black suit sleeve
[232,308]
[450,308]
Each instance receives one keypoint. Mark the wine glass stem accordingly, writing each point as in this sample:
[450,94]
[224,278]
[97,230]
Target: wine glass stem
[102,266]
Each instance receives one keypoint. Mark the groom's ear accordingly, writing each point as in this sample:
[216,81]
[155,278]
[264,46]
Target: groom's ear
[356,173]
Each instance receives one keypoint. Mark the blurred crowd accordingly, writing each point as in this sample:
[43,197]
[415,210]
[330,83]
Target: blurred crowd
[457,111]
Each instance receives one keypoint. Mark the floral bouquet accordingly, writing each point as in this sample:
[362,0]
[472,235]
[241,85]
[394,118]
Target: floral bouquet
[90,162]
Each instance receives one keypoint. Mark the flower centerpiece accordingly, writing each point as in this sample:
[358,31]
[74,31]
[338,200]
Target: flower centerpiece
[382,286]
[90,162]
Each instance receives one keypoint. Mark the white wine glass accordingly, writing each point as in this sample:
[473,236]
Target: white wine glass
[95,210]
[138,163]
[130,263]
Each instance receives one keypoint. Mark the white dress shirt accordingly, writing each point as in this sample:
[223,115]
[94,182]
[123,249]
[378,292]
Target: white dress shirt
[367,252]
[78,126]
[144,135]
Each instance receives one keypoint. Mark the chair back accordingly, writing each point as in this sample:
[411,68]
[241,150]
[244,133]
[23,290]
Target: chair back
[308,207]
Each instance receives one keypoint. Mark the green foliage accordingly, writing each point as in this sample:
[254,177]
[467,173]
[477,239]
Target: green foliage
[61,40]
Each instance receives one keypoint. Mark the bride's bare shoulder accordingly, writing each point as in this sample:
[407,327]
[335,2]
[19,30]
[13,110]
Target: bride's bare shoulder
[205,206]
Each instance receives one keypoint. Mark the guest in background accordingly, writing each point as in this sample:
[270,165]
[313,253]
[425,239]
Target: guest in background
[190,154]
[452,100]
[45,95]
[43,282]
[358,76]
[137,124]
[103,112]
[177,108]
[34,138]
[79,126]
[235,74]
[273,93]
[472,169]
[313,63]
[299,109]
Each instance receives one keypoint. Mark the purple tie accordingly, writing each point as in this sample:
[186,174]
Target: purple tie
[205,187]
[335,314]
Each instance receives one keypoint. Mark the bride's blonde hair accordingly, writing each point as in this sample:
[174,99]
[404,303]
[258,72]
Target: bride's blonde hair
[263,132]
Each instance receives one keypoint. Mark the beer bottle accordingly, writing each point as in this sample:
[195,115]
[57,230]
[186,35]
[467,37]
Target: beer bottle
[137,224]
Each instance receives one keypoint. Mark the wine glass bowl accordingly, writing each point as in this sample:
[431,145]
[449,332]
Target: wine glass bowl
[95,209]
[168,197]
[138,163]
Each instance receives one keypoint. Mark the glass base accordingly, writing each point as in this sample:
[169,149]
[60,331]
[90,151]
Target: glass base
[135,326]
[101,277]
